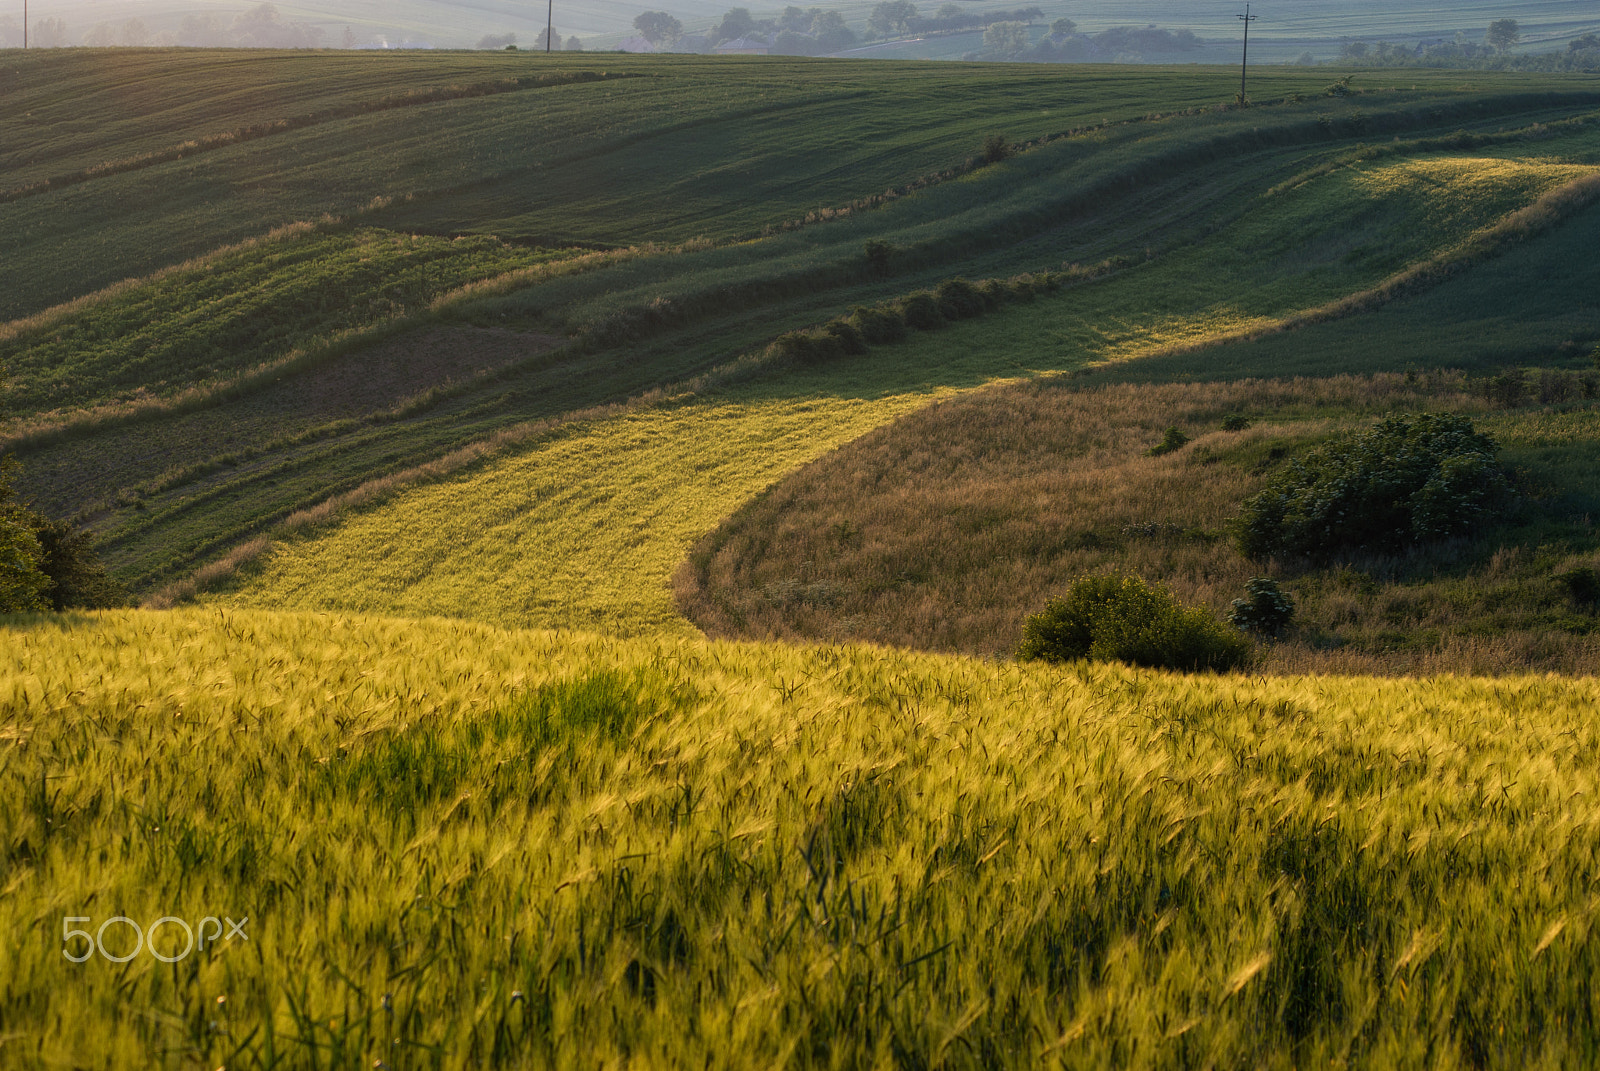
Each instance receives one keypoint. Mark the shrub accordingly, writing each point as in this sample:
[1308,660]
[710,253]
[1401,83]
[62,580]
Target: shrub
[1174,439]
[805,347]
[878,253]
[845,337]
[78,579]
[1582,584]
[1235,422]
[1508,389]
[996,148]
[1123,619]
[878,325]
[1403,482]
[1265,610]
[959,300]
[994,293]
[921,311]
[23,583]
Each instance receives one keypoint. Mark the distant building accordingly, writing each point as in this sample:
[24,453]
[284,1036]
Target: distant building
[744,46]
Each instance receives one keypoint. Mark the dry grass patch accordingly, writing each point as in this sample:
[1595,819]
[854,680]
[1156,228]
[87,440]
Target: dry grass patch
[945,529]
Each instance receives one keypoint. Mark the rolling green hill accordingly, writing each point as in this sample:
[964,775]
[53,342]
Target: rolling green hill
[425,376]
[664,216]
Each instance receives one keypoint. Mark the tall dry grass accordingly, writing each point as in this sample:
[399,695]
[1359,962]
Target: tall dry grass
[944,530]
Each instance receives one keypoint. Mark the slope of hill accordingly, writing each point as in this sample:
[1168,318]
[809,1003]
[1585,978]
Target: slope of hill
[673,467]
[1281,35]
[466,847]
[759,230]
[445,343]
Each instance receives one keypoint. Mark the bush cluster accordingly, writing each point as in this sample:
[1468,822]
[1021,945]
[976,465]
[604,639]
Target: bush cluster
[1406,481]
[46,564]
[923,310]
[1124,619]
[1265,609]
[1173,439]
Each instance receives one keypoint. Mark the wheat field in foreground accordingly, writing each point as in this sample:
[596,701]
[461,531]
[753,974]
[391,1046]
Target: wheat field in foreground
[461,846]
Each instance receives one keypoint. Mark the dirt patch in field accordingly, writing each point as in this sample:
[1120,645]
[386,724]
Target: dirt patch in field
[94,468]
[380,377]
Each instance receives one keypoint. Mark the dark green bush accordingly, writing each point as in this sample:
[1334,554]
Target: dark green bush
[806,347]
[996,148]
[1123,619]
[921,311]
[845,336]
[878,253]
[959,300]
[78,579]
[1406,481]
[1174,439]
[878,325]
[995,293]
[1507,390]
[1582,585]
[1235,422]
[46,564]
[1265,610]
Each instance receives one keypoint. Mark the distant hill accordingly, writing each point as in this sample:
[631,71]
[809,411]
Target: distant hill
[1281,35]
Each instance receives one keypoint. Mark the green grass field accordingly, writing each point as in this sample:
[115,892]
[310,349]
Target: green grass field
[407,384]
[665,308]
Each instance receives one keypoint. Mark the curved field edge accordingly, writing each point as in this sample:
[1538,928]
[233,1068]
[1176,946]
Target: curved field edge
[944,530]
[651,321]
[504,847]
[516,541]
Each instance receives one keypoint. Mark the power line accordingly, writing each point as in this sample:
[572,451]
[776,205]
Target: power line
[1244,64]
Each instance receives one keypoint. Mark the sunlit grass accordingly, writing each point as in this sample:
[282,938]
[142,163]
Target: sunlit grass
[460,846]
[580,531]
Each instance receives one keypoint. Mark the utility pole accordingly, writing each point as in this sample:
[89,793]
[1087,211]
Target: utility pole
[1244,64]
[24,24]
[550,22]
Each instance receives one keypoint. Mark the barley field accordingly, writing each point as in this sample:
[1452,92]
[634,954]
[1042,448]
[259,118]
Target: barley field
[441,401]
[462,846]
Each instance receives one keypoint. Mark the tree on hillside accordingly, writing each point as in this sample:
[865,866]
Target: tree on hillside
[1585,43]
[45,564]
[543,41]
[50,33]
[1005,38]
[832,34]
[735,24]
[657,26]
[1503,33]
[891,16]
[795,19]
[263,27]
[949,11]
[1063,28]
[574,45]
[202,31]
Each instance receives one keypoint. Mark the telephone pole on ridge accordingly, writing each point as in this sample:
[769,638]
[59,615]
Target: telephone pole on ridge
[1244,64]
[550,22]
